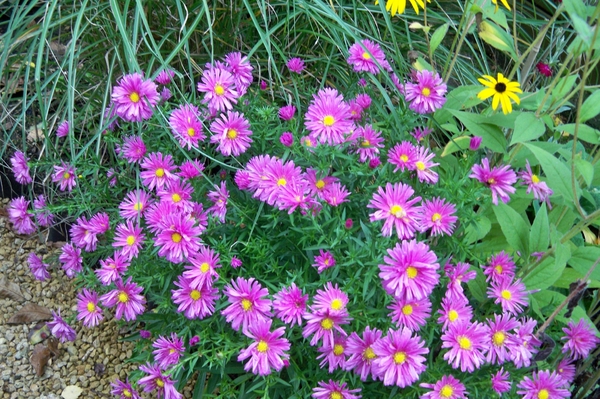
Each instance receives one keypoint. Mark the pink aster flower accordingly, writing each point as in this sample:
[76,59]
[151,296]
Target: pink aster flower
[235,262]
[20,217]
[20,168]
[333,356]
[72,262]
[541,191]
[318,185]
[219,199]
[420,133]
[179,239]
[179,193]
[87,307]
[294,195]
[367,56]
[165,76]
[64,176]
[82,236]
[543,384]
[129,238]
[267,352]
[412,314]
[467,343]
[511,295]
[145,334]
[43,215]
[231,133]
[410,270]
[241,69]
[447,387]
[286,113]
[63,129]
[287,139]
[580,339]
[501,381]
[355,111]
[427,95]
[276,175]
[127,298]
[397,209]
[38,268]
[331,300]
[328,117]
[374,163]
[322,324]
[194,340]
[501,340]
[454,312]
[335,194]
[439,216]
[500,267]
[544,69]
[111,269]
[566,369]
[157,381]
[248,303]
[186,126]
[99,223]
[202,271]
[360,352]
[295,65]
[167,350]
[123,390]
[263,85]
[290,305]
[475,142]
[400,358]
[527,343]
[423,165]
[457,275]
[60,328]
[135,204]
[133,149]
[309,143]
[499,179]
[369,141]
[218,86]
[323,261]
[134,97]
[157,170]
[363,100]
[403,156]
[334,390]
[195,301]
[190,169]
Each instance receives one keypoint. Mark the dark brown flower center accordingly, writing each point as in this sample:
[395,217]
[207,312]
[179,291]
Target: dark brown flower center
[500,87]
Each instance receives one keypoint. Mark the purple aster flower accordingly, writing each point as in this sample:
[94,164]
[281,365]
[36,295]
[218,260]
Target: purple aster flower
[427,95]
[241,69]
[179,238]
[133,149]
[231,133]
[467,343]
[331,300]
[129,238]
[111,269]
[335,194]
[263,85]
[403,156]
[202,270]
[178,193]
[38,268]
[72,262]
[318,185]
[474,143]
[499,179]
[397,210]
[454,311]
[20,217]
[82,235]
[333,356]
[190,169]
[420,133]
[457,275]
[295,65]
[323,323]
[167,350]
[165,94]
[290,305]
[363,100]
[501,381]
[412,314]
[87,307]
[447,387]
[268,349]
[511,295]
[248,303]
[527,343]
[286,113]
[367,56]
[501,341]
[127,298]
[164,77]
[400,358]
[194,340]
[60,329]
[20,168]
[156,380]
[123,390]
[439,216]
[195,301]
[500,267]
[186,126]
[145,334]
[328,117]
[63,129]
[287,139]
[323,261]
[334,390]
[218,86]
[566,369]
[368,141]
[157,170]
[580,339]
[134,97]
[235,262]
[360,351]
[135,204]
[43,216]
[64,175]
[541,191]
[543,384]
[219,199]
[423,165]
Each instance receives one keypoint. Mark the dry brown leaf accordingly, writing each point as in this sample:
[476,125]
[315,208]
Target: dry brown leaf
[39,358]
[30,312]
[11,290]
[53,346]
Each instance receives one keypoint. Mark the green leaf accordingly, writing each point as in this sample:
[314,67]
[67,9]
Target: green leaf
[551,299]
[591,107]
[514,228]
[496,37]
[546,273]
[570,275]
[438,36]
[477,229]
[584,30]
[527,128]
[478,286]
[585,132]
[492,135]
[559,176]
[575,7]
[539,236]
[563,87]
[456,144]
[583,258]
[586,169]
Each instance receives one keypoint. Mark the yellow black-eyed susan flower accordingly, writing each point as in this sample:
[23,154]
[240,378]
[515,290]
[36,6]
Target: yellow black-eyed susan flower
[503,91]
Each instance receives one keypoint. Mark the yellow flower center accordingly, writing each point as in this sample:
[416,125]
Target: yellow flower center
[123,297]
[127,393]
[397,211]
[171,351]
[66,175]
[446,391]
[543,394]
[246,305]
[399,357]
[320,184]
[281,182]
[505,294]
[328,120]
[420,165]
[464,343]
[369,354]
[452,315]
[491,181]
[426,92]
[204,267]
[232,134]
[411,272]
[134,97]
[499,338]
[327,324]
[336,395]
[308,143]
[535,179]
[91,307]
[176,197]
[195,295]
[407,310]
[366,56]
[219,90]
[337,304]
[138,206]
[366,143]
[499,269]
[338,349]
[326,261]
[262,346]
[159,383]
[191,131]
[404,157]
[160,172]
[130,240]
[436,216]
[176,237]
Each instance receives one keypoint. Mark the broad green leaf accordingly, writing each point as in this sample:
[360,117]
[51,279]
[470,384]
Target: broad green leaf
[478,286]
[563,87]
[515,229]
[575,7]
[539,236]
[586,169]
[584,132]
[456,144]
[438,36]
[527,128]
[591,107]
[492,135]
[582,260]
[450,127]
[463,97]
[570,275]
[496,37]
[584,30]
[477,230]
[558,174]
[545,274]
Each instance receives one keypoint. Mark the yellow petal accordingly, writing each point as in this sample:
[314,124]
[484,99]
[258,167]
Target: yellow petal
[514,97]
[506,4]
[506,105]
[486,93]
[496,100]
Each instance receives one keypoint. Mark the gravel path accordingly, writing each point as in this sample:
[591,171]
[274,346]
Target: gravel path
[91,362]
